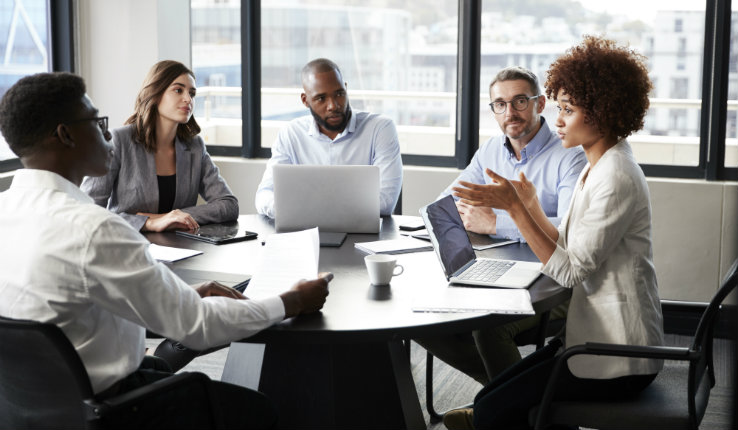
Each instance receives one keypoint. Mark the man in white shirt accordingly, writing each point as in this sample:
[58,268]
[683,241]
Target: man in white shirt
[72,263]
[335,135]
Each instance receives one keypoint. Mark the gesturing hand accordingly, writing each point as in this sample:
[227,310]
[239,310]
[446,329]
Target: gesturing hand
[526,191]
[500,194]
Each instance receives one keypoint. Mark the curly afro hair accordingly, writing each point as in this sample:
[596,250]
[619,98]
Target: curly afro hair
[610,83]
[32,108]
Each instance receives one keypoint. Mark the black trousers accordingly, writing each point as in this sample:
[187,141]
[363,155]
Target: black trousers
[504,402]
[187,407]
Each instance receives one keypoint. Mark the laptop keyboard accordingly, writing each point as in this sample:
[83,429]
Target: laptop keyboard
[486,270]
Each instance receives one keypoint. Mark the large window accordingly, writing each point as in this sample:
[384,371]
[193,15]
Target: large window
[24,46]
[427,64]
[671,37]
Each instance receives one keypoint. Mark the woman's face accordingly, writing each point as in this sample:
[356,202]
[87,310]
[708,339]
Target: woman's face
[572,128]
[178,100]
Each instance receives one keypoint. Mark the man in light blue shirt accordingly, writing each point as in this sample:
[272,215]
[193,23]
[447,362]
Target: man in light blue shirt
[529,146]
[335,135]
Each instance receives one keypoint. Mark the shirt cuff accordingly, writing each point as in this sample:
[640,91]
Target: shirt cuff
[274,307]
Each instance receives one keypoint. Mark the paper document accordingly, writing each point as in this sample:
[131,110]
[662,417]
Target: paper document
[285,259]
[482,300]
[394,246]
[170,254]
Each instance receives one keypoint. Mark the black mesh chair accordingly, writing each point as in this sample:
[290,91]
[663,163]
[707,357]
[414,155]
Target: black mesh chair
[45,385]
[534,336]
[674,400]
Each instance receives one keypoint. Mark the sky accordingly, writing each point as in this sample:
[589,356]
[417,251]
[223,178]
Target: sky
[642,9]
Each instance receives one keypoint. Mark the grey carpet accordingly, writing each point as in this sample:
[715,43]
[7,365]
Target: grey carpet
[452,388]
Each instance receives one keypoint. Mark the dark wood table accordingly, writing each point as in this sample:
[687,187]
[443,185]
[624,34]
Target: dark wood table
[346,366]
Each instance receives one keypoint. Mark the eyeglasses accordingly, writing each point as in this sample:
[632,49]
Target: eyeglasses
[518,103]
[102,122]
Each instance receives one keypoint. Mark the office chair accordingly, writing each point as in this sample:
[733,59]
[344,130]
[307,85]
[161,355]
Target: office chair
[674,400]
[534,336]
[44,384]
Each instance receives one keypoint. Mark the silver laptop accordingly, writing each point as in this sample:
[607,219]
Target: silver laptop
[460,263]
[332,198]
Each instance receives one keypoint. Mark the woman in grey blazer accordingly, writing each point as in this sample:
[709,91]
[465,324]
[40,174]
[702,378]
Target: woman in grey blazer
[602,249]
[160,164]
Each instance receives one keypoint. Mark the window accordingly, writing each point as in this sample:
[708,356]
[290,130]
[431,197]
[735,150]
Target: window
[28,47]
[25,49]
[400,58]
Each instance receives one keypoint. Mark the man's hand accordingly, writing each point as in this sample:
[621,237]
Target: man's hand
[174,220]
[306,296]
[214,288]
[477,219]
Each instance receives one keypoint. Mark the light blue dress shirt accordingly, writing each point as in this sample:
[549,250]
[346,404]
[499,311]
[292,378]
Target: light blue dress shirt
[552,168]
[368,139]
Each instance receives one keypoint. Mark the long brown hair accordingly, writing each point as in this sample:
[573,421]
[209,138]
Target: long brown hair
[161,75]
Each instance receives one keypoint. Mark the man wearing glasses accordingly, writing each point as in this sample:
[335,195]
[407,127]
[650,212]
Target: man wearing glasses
[67,261]
[527,146]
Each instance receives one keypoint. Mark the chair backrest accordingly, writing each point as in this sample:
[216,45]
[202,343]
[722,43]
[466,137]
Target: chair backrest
[43,381]
[701,372]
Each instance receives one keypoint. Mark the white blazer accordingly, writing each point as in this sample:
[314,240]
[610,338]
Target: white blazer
[604,254]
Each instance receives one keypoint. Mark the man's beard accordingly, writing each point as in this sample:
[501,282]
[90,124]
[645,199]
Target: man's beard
[338,127]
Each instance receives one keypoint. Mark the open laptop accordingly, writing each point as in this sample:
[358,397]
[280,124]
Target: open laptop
[460,263]
[332,198]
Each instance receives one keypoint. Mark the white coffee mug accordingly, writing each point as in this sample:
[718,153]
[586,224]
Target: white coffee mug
[382,268]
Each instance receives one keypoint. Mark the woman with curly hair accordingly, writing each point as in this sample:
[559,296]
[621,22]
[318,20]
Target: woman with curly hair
[602,250]
[160,164]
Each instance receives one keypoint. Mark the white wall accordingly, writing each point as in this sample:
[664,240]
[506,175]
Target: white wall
[694,221]
[118,41]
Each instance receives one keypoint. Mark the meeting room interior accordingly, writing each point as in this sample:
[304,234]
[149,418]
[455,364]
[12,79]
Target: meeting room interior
[427,66]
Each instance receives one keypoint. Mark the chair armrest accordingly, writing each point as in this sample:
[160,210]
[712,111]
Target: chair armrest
[100,408]
[616,350]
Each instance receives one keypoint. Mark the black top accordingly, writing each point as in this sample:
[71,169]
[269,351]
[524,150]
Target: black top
[167,190]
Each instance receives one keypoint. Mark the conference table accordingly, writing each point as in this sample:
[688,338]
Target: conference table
[346,366]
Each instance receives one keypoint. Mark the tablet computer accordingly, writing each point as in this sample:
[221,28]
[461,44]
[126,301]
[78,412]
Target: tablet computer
[219,234]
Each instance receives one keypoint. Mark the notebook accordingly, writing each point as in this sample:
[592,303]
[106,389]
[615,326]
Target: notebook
[459,262]
[218,234]
[332,198]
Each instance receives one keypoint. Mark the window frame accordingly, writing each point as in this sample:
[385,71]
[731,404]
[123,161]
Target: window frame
[711,163]
[61,51]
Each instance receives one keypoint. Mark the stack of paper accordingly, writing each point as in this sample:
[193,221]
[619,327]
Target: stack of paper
[394,246]
[483,300]
[170,254]
[286,258]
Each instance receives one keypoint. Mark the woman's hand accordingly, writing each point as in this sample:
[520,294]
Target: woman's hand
[500,194]
[174,220]
[526,191]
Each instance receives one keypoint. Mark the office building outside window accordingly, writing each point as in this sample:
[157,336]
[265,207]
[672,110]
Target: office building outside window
[23,46]
[533,34]
[398,58]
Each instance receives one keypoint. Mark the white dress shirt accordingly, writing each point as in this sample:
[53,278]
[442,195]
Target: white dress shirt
[67,261]
[368,139]
[604,253]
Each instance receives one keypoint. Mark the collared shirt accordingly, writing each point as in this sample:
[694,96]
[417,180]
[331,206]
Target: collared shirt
[605,254]
[69,262]
[552,168]
[368,139]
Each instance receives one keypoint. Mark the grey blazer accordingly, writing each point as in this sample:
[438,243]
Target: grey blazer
[131,185]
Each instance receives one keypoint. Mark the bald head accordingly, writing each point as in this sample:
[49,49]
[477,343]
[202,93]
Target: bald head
[319,65]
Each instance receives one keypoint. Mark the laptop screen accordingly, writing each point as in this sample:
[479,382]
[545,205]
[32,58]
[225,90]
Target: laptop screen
[448,235]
